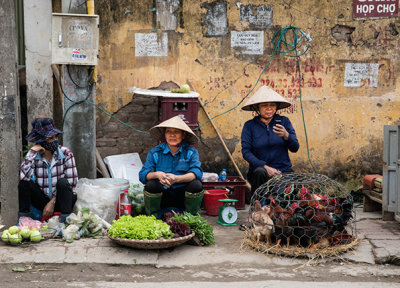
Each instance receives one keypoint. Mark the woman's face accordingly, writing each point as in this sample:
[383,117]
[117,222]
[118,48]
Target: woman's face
[173,136]
[268,109]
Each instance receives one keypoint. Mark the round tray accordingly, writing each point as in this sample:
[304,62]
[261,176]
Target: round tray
[152,244]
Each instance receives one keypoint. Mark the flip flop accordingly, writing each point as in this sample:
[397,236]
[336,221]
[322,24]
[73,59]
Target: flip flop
[245,225]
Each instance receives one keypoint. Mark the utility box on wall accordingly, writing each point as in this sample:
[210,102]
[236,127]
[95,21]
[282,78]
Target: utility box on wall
[75,39]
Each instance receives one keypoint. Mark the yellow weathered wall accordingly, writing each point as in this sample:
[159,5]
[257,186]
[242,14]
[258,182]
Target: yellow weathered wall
[344,125]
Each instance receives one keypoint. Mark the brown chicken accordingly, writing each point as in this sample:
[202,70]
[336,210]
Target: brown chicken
[263,224]
[280,219]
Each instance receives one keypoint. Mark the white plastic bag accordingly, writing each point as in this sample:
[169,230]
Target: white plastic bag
[100,196]
[209,177]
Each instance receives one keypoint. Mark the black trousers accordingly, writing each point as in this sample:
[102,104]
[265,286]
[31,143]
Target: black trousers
[173,197]
[258,177]
[29,193]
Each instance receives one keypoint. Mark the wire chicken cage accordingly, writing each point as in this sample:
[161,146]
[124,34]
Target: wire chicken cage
[303,210]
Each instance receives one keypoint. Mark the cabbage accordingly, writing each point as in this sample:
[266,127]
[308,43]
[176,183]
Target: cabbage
[185,88]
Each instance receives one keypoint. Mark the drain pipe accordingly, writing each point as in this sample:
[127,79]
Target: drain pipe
[90,8]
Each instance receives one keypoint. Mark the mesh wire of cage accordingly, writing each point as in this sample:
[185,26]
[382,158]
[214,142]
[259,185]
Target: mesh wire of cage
[305,210]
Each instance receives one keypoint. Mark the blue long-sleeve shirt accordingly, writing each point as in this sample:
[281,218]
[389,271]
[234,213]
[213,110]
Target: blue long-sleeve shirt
[160,158]
[261,146]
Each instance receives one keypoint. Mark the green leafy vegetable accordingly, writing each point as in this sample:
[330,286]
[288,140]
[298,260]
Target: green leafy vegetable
[140,228]
[200,226]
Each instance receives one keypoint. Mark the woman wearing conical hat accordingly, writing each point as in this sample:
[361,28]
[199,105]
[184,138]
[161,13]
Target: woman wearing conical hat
[267,138]
[172,171]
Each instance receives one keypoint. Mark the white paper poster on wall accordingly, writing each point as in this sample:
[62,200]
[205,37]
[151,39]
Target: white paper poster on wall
[249,42]
[361,75]
[148,44]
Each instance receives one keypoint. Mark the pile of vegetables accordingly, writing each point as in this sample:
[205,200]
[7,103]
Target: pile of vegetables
[182,89]
[179,229]
[83,224]
[173,225]
[140,228]
[135,193]
[18,235]
[203,230]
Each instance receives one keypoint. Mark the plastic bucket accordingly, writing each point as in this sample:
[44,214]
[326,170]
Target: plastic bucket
[211,202]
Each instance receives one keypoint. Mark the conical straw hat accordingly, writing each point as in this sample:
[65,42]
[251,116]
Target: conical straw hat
[262,95]
[158,131]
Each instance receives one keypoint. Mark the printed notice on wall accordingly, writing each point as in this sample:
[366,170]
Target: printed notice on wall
[215,22]
[149,44]
[248,42]
[259,16]
[361,75]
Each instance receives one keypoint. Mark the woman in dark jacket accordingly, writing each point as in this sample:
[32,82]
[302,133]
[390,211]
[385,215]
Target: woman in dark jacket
[267,138]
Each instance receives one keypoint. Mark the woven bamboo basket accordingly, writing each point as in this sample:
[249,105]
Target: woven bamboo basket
[152,244]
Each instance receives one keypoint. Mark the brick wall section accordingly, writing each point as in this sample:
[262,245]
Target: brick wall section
[142,113]
[114,137]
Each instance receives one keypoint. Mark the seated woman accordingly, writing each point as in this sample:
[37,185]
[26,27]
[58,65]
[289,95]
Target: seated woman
[48,175]
[267,138]
[172,171]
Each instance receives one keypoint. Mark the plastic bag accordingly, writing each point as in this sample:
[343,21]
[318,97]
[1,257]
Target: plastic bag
[135,193]
[209,177]
[54,226]
[70,233]
[100,196]
[27,222]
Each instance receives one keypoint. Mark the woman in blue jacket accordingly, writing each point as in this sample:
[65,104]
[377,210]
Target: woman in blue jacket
[172,171]
[267,138]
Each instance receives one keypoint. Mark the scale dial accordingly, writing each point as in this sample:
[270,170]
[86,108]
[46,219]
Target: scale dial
[229,215]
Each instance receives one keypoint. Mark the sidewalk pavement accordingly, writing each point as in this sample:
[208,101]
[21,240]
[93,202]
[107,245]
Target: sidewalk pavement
[380,244]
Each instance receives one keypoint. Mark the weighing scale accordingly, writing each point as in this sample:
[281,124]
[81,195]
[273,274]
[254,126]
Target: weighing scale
[227,215]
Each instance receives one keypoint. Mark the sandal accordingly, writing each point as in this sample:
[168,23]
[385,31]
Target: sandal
[245,226]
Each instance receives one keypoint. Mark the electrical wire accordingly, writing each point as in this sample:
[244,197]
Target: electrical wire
[93,104]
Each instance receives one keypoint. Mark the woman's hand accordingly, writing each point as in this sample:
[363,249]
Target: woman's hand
[49,208]
[280,130]
[164,178]
[172,178]
[271,171]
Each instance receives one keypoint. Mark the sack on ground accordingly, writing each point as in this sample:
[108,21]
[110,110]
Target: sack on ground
[100,196]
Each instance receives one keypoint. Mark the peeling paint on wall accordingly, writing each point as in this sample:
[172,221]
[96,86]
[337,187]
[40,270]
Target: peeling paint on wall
[166,14]
[202,52]
[215,21]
